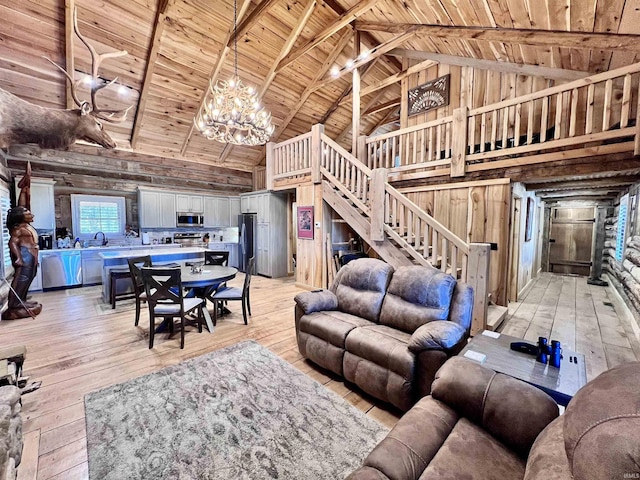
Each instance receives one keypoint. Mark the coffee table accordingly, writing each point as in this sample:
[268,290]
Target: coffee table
[560,383]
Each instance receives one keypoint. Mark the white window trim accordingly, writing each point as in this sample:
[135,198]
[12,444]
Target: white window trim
[75,213]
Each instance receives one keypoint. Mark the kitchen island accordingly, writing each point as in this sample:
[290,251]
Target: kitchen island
[118,259]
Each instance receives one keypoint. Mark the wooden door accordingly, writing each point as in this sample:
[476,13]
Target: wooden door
[571,239]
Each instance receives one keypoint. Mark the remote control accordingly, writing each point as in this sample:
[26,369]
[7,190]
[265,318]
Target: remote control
[524,347]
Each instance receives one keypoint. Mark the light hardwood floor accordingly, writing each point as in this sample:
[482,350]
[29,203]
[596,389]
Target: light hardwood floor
[76,345]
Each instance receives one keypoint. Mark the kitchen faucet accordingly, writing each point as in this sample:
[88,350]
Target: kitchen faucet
[104,238]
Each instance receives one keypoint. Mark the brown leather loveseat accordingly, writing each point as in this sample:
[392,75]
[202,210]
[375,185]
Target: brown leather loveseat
[386,331]
[481,425]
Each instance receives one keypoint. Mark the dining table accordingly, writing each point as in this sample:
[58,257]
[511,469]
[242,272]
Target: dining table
[199,279]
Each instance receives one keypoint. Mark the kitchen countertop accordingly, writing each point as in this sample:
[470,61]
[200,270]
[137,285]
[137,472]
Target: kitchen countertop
[154,253]
[112,247]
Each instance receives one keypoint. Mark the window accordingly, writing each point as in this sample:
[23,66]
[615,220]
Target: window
[5,204]
[92,214]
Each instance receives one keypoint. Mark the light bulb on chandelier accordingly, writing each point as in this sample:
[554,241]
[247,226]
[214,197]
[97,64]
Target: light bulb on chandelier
[231,111]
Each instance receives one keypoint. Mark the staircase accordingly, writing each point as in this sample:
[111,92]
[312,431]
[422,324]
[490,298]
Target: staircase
[591,116]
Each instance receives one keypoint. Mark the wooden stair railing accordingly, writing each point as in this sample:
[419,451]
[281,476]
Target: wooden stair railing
[584,115]
[365,196]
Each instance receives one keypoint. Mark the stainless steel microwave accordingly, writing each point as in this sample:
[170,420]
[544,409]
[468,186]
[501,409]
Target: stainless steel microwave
[187,219]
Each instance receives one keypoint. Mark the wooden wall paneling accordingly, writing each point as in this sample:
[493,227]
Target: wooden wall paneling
[459,212]
[497,231]
[476,219]
[310,255]
[441,206]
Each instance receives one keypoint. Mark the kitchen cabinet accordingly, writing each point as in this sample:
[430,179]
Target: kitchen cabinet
[271,235]
[36,284]
[42,203]
[234,211]
[232,248]
[91,267]
[216,212]
[189,203]
[156,209]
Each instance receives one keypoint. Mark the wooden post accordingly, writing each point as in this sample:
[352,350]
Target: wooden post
[478,279]
[270,165]
[598,243]
[317,131]
[361,150]
[355,95]
[459,145]
[378,180]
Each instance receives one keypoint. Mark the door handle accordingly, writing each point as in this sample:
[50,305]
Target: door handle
[552,240]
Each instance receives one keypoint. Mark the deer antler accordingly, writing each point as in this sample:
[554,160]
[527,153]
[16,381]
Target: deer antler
[96,60]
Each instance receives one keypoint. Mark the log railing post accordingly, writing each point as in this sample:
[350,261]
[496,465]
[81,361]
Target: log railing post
[361,150]
[378,181]
[317,131]
[271,161]
[459,146]
[478,279]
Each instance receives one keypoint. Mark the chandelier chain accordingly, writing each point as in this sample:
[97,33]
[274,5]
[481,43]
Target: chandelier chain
[235,37]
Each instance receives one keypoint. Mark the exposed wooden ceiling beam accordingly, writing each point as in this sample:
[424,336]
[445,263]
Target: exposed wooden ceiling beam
[216,71]
[580,193]
[344,94]
[340,46]
[493,65]
[385,82]
[345,19]
[286,48]
[392,64]
[154,52]
[348,128]
[253,18]
[381,106]
[593,183]
[522,36]
[69,6]
[374,53]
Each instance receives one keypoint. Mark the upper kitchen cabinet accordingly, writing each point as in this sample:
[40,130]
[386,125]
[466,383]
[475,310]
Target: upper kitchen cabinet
[156,209]
[216,212]
[42,203]
[249,203]
[189,203]
[234,211]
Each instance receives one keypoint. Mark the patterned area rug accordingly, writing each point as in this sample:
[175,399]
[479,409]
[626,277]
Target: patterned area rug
[236,413]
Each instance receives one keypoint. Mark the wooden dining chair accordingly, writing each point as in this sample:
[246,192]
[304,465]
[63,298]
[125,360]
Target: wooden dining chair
[234,293]
[165,298]
[135,269]
[214,257]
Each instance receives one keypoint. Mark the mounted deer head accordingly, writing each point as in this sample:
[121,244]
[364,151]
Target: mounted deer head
[23,122]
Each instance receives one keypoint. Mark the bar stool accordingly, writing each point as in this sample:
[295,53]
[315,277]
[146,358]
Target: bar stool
[117,274]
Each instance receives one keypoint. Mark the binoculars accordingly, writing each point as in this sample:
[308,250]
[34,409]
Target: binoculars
[551,354]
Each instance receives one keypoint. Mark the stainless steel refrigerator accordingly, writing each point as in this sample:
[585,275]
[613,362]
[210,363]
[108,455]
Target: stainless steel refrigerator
[248,228]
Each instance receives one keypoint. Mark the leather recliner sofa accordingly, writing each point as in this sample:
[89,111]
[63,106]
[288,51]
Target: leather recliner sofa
[386,331]
[481,425]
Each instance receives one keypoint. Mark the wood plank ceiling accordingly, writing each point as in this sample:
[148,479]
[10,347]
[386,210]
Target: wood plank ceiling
[286,48]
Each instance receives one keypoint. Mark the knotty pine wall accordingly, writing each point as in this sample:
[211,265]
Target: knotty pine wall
[476,212]
[471,87]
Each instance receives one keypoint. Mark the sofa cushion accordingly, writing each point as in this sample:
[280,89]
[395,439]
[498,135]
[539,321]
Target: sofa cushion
[411,444]
[495,402]
[383,346]
[331,325]
[471,453]
[417,295]
[361,286]
[548,458]
[602,425]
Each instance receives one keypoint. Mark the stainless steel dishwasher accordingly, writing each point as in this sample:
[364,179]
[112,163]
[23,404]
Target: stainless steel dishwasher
[62,268]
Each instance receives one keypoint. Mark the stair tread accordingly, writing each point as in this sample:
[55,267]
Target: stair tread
[495,316]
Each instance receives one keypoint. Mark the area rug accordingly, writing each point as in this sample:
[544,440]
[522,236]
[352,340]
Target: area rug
[102,308]
[236,413]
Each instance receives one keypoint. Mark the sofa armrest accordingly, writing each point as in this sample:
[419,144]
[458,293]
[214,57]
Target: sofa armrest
[316,301]
[512,411]
[436,335]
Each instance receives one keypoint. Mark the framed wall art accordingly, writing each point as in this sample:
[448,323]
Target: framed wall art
[430,95]
[305,222]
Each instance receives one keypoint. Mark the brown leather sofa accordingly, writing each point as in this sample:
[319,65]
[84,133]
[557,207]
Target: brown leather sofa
[482,425]
[386,331]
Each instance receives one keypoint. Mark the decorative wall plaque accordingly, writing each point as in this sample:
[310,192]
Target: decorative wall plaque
[429,95]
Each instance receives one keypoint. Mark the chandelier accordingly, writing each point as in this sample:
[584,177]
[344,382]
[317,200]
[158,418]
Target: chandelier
[231,112]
